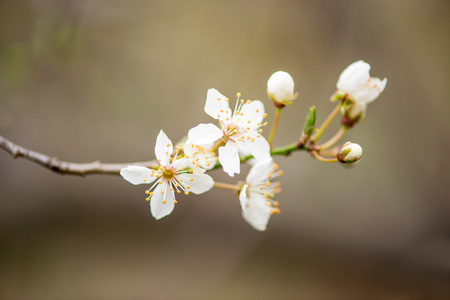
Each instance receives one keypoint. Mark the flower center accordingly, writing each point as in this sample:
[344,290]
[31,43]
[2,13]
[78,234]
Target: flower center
[229,131]
[167,173]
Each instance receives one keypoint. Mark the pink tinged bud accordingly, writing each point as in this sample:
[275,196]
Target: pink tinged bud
[352,112]
[280,88]
[349,153]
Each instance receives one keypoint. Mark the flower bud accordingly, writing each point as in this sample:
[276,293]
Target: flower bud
[280,88]
[349,153]
[352,112]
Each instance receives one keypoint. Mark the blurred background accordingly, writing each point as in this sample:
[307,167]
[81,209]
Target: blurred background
[87,80]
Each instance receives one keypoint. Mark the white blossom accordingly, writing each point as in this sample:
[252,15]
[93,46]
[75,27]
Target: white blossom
[280,88]
[174,175]
[238,129]
[355,80]
[257,193]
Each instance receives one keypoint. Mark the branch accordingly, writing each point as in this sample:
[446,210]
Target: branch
[65,167]
[97,167]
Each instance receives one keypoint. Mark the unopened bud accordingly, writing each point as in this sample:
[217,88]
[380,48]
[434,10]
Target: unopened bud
[352,112]
[349,153]
[280,88]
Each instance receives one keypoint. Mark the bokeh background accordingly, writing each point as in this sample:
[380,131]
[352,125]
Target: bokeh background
[87,80]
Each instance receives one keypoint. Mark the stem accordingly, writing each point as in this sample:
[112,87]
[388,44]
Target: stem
[334,139]
[275,124]
[65,167]
[327,122]
[97,167]
[226,186]
[323,159]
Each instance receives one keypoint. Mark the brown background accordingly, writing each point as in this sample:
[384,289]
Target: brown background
[87,80]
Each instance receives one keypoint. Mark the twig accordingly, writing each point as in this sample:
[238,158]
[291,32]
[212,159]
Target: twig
[97,167]
[65,167]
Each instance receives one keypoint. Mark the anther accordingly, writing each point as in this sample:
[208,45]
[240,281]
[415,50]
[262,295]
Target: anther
[188,186]
[238,94]
[164,202]
[147,199]
[186,193]
[249,101]
[264,115]
[147,192]
[162,192]
[175,201]
[151,194]
[192,179]
[144,180]
[267,182]
[242,101]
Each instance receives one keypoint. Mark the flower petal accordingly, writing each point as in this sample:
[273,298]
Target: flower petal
[243,197]
[137,174]
[253,114]
[157,207]
[215,102]
[259,148]
[163,148]
[354,77]
[204,134]
[259,173]
[198,183]
[371,90]
[200,154]
[229,159]
[256,212]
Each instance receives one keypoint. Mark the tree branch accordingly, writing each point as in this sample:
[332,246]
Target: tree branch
[65,167]
[97,167]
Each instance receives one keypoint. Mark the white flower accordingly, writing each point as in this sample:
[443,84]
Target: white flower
[240,129]
[257,193]
[202,156]
[350,153]
[280,88]
[173,175]
[355,80]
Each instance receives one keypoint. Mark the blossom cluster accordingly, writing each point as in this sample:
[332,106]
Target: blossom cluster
[237,136]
